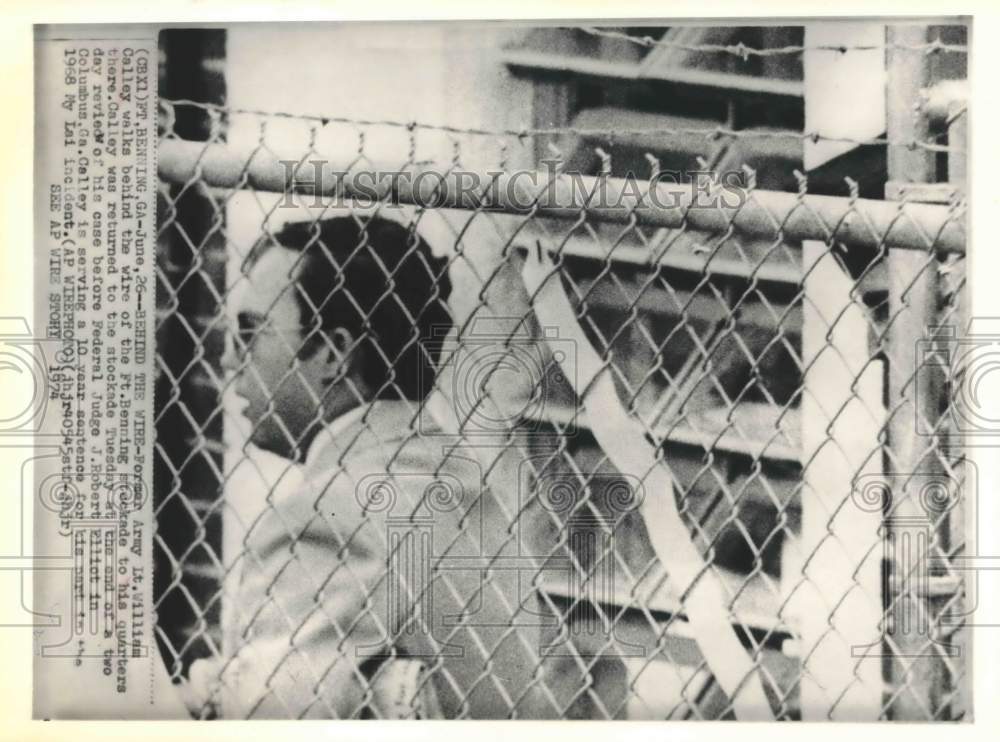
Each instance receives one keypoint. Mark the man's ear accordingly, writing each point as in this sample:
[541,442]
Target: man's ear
[340,341]
[334,352]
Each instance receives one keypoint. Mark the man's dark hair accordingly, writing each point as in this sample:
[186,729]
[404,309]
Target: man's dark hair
[380,281]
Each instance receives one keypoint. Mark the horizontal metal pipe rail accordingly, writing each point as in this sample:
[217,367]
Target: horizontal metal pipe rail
[726,83]
[770,214]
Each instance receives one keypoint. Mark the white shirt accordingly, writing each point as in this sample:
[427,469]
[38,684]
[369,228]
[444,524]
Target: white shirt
[263,471]
[329,432]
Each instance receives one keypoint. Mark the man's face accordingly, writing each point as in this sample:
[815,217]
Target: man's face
[282,391]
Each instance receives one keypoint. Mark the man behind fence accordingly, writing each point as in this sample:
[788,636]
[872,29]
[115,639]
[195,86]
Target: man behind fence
[346,608]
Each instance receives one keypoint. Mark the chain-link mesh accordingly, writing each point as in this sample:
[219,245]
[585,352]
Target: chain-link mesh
[561,380]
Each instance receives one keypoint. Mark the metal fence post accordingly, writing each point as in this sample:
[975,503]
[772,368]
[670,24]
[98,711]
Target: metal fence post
[916,673]
[842,411]
[841,418]
[964,519]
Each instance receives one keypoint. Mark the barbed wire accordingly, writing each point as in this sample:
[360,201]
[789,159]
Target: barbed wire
[744,52]
[709,133]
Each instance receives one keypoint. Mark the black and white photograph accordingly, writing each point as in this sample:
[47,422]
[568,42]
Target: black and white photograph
[551,372]
[615,370]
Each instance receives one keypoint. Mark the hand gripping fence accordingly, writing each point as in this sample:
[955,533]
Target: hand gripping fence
[726,481]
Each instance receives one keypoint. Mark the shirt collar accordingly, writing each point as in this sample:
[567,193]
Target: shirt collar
[329,432]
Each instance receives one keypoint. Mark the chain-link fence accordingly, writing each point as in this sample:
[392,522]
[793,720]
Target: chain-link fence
[531,443]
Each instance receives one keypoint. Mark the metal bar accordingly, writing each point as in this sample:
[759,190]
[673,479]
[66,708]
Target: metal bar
[841,415]
[770,214]
[753,610]
[963,527]
[641,130]
[958,134]
[645,257]
[831,560]
[921,193]
[724,81]
[708,436]
[913,395]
